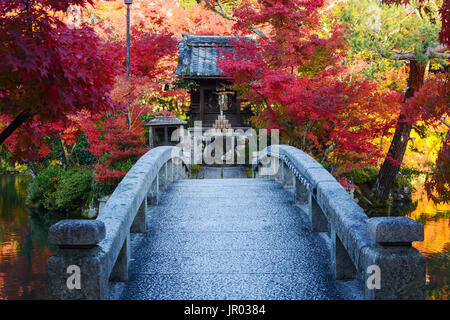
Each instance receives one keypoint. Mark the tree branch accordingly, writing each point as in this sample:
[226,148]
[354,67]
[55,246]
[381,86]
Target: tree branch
[445,122]
[227,16]
[436,52]
[401,55]
[266,101]
[16,123]
[327,151]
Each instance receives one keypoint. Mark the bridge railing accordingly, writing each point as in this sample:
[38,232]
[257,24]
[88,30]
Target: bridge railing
[377,252]
[93,252]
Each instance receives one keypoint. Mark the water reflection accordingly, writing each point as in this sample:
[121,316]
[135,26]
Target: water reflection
[436,245]
[23,244]
[24,250]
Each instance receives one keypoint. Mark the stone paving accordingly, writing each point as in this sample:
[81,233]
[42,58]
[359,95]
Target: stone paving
[227,239]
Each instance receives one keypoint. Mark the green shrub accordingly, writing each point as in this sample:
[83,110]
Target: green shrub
[362,175]
[74,190]
[80,154]
[124,165]
[405,177]
[368,175]
[41,192]
[195,170]
[64,191]
[102,189]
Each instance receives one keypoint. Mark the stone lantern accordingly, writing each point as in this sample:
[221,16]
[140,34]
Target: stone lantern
[161,128]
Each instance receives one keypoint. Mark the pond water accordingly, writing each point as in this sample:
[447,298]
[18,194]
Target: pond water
[436,245]
[23,243]
[24,249]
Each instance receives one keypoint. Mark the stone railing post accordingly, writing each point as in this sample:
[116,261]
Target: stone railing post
[402,267]
[319,222]
[301,192]
[256,173]
[162,177]
[119,272]
[287,176]
[259,171]
[170,175]
[140,221]
[279,174]
[273,168]
[152,196]
[341,264]
[176,169]
[182,172]
[179,167]
[78,270]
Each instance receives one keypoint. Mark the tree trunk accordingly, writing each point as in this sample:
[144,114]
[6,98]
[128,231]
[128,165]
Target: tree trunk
[391,164]
[17,122]
[31,169]
[291,137]
[68,156]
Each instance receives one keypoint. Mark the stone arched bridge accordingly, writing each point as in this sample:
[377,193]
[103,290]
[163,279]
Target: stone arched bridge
[291,233]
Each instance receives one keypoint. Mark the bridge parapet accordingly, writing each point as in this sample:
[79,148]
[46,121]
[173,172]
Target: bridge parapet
[99,250]
[375,251]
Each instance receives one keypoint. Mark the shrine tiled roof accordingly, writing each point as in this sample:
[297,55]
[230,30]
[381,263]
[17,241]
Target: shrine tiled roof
[198,55]
[164,121]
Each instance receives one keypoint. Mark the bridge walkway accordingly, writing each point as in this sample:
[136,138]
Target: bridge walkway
[227,239]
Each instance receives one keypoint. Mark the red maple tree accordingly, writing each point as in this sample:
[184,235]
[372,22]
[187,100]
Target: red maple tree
[115,146]
[48,70]
[299,83]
